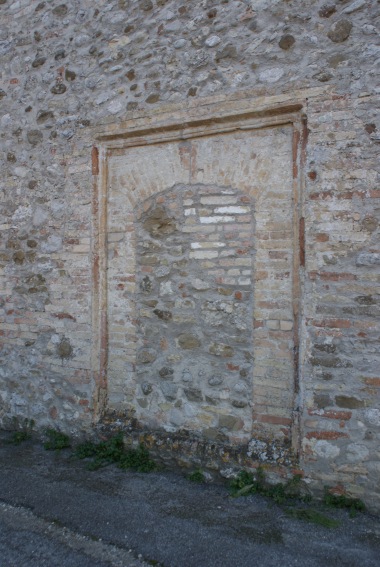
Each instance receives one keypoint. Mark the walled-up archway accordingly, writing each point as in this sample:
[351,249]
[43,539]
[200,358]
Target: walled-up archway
[201,282]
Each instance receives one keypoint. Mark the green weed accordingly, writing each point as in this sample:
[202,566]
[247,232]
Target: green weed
[247,483]
[313,516]
[354,505]
[113,451]
[197,476]
[138,460]
[25,431]
[56,440]
[18,437]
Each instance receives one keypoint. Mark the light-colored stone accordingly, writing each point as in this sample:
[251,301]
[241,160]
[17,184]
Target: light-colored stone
[326,450]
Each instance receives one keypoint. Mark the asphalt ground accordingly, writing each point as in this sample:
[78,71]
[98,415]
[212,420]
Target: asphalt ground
[56,512]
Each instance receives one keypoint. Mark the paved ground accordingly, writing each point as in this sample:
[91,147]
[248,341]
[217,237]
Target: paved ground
[54,512]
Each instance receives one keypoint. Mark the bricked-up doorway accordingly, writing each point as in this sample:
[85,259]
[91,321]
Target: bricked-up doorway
[197,275]
[194,307]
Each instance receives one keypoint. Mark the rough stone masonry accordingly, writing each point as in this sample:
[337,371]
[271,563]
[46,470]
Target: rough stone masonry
[189,230]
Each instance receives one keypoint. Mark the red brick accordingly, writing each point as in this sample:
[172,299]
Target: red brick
[333,323]
[372,382]
[274,419]
[321,237]
[331,414]
[323,195]
[95,160]
[336,277]
[325,435]
[278,255]
[301,237]
[64,316]
[296,139]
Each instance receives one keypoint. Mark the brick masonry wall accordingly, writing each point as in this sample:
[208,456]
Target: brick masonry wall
[70,69]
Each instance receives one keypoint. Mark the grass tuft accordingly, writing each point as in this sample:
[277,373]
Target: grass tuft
[247,483]
[354,505]
[56,440]
[113,451]
[197,476]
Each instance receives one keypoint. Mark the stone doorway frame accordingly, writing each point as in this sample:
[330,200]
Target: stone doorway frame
[176,123]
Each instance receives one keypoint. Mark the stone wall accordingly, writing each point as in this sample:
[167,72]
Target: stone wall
[244,131]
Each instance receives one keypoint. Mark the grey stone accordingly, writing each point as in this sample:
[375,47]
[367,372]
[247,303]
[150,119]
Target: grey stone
[354,6]
[214,434]
[166,373]
[44,116]
[357,452]
[271,75]
[146,285]
[70,75]
[162,271]
[200,285]
[193,394]
[58,88]
[19,257]
[322,400]
[52,244]
[212,41]
[187,376]
[286,41]
[327,10]
[221,349]
[230,422]
[40,216]
[188,341]
[179,43]
[368,259]
[229,51]
[340,31]
[146,356]
[60,10]
[372,415]
[169,390]
[215,380]
[370,223]
[323,76]
[163,315]
[64,349]
[349,402]
[38,61]
[152,98]
[146,5]
[159,224]
[239,403]
[34,137]
[81,40]
[365,300]
[146,388]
